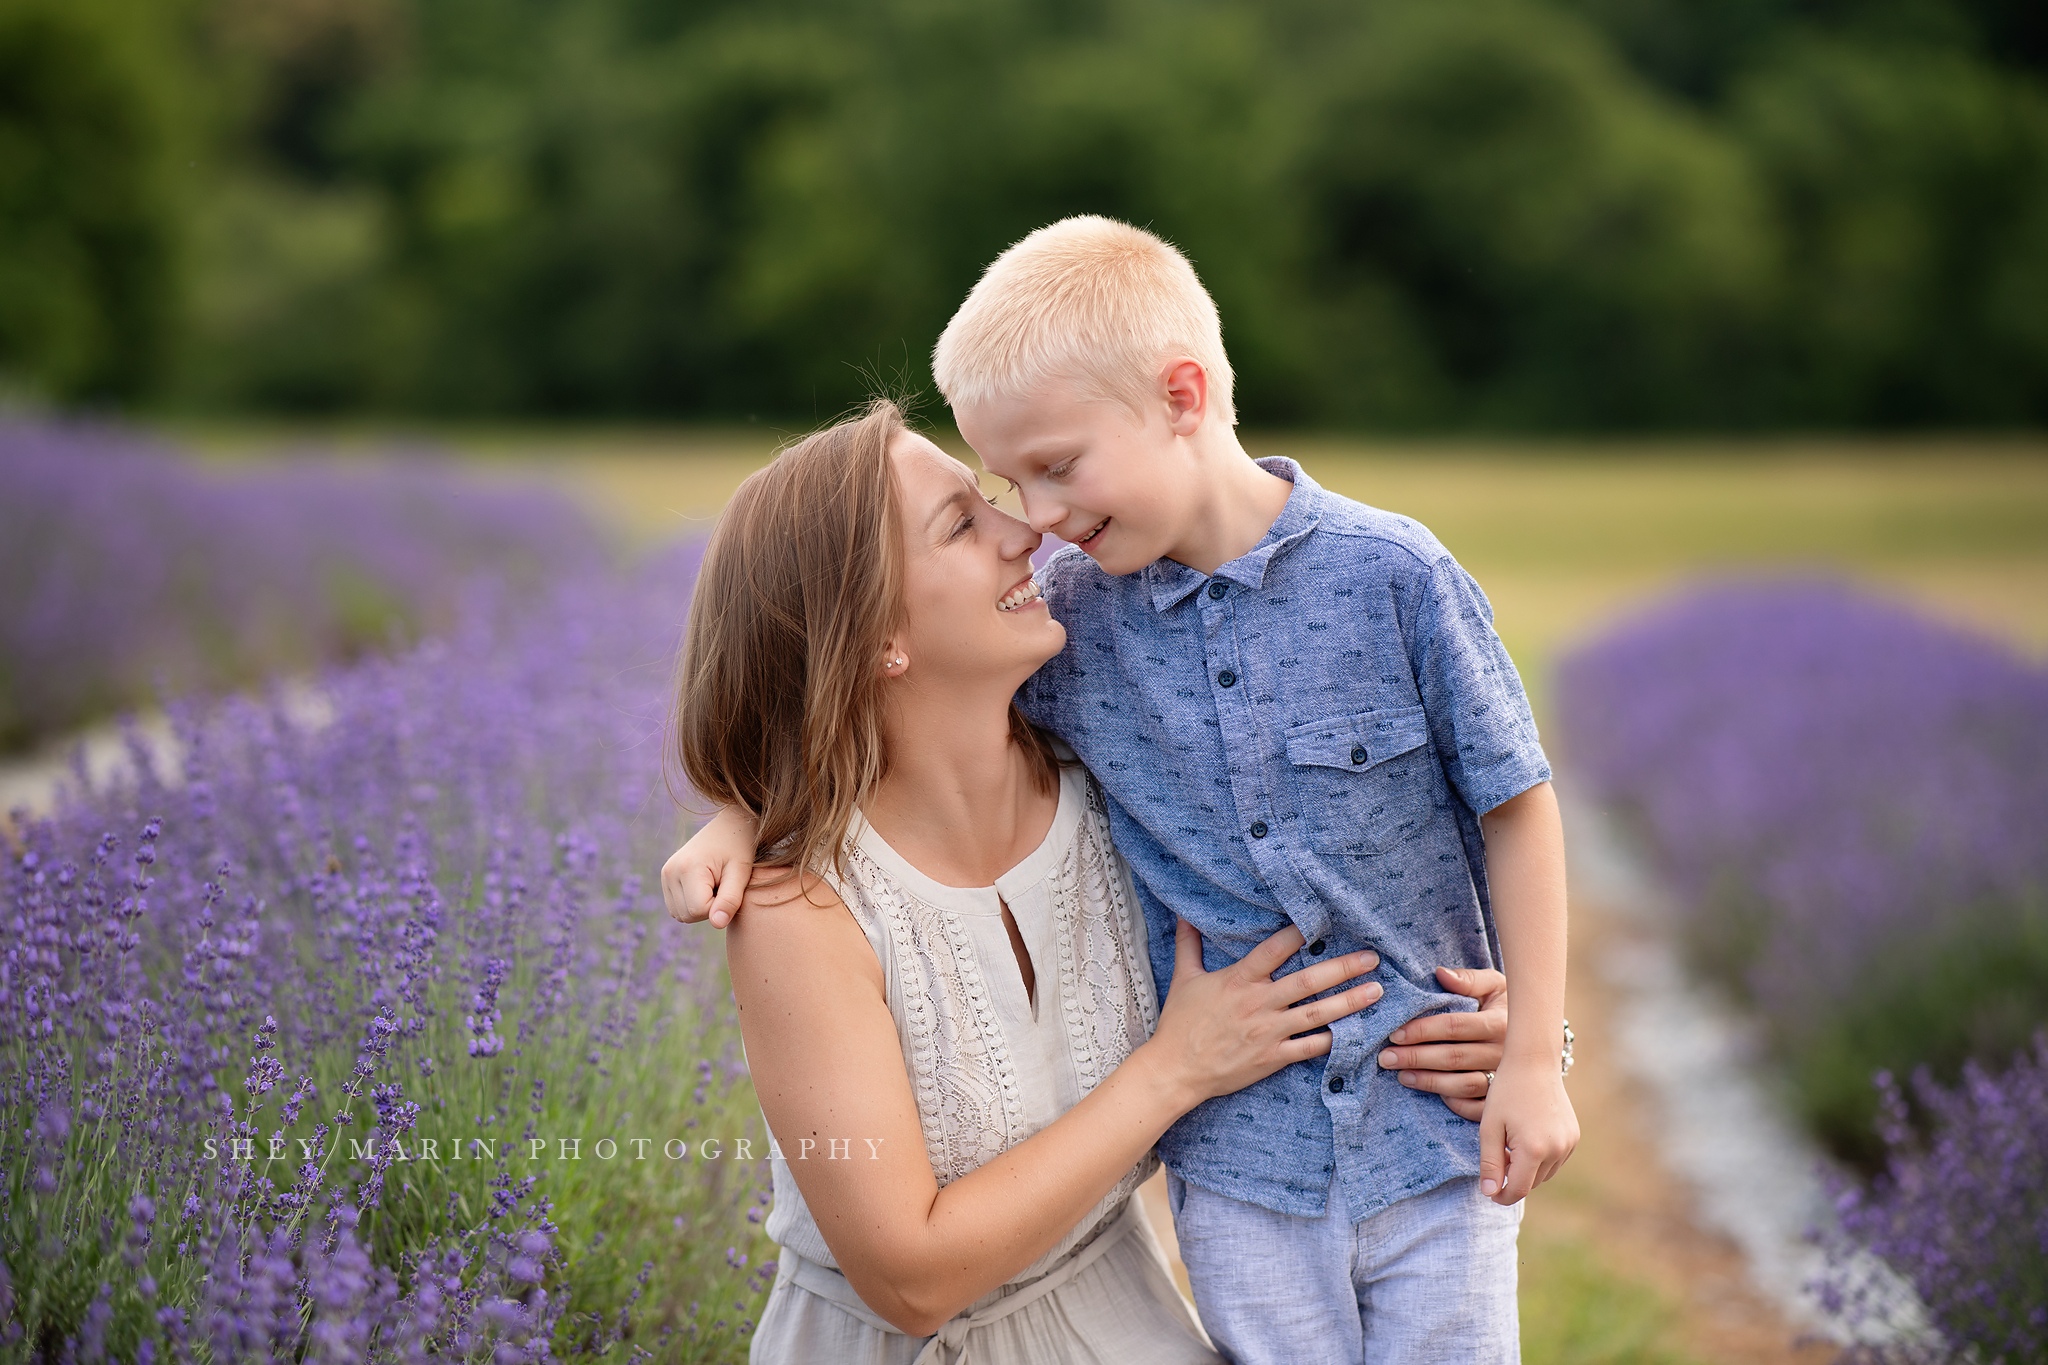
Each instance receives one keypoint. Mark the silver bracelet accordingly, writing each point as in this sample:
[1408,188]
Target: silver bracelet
[1565,1058]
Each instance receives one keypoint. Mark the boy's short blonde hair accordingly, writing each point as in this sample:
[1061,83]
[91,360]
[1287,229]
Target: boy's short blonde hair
[1087,299]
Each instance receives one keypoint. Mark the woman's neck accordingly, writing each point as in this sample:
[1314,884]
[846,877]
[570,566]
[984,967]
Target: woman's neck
[960,801]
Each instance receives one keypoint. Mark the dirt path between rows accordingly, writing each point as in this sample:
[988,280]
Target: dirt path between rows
[1621,1198]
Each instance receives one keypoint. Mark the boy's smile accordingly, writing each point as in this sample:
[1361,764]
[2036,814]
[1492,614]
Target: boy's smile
[1092,532]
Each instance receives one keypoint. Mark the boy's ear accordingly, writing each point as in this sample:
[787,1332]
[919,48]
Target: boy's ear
[1186,386]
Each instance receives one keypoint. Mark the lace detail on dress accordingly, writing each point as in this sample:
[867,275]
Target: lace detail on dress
[1105,995]
[960,1068]
[969,1105]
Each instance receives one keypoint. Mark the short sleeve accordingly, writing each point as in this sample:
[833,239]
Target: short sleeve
[1479,717]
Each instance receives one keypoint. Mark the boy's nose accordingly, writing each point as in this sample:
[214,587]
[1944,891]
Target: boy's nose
[1021,541]
[1043,516]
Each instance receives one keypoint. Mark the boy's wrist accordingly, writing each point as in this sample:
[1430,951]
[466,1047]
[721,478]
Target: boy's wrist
[1530,1048]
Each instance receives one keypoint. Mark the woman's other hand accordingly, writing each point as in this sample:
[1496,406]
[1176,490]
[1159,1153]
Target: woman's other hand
[1450,1053]
[1222,1030]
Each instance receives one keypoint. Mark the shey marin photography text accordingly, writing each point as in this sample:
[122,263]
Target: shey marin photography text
[420,1148]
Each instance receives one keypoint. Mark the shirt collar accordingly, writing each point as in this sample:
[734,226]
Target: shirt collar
[1171,581]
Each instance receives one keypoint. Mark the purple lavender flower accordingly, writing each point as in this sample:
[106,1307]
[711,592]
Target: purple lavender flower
[128,565]
[1821,772]
[320,896]
[1849,800]
[1962,1215]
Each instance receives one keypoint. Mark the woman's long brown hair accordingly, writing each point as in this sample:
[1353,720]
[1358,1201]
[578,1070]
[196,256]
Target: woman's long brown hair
[779,689]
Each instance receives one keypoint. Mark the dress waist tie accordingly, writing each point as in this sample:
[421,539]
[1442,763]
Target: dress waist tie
[949,1345]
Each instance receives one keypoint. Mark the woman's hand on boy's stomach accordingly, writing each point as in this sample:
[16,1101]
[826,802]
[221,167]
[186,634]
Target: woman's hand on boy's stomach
[1220,1031]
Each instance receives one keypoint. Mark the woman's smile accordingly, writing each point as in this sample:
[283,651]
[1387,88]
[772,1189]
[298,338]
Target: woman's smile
[1025,594]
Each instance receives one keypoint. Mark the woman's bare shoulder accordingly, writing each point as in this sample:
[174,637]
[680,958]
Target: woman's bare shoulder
[798,925]
[775,888]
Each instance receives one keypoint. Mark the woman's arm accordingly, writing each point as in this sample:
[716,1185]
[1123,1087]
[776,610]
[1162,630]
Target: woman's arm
[828,1069]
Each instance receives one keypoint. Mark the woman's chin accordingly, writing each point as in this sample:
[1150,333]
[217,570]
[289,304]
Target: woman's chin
[1056,636]
[1038,637]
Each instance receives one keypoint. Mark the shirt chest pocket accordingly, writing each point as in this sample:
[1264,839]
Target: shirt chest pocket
[1360,781]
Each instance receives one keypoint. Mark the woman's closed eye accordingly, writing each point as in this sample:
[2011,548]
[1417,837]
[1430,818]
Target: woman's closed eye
[966,522]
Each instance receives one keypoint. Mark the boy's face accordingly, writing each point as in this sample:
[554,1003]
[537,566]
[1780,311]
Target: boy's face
[1086,470]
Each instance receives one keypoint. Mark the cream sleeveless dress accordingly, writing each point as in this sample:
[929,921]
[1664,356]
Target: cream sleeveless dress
[989,1069]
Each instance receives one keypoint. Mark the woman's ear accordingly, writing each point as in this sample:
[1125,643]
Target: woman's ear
[894,661]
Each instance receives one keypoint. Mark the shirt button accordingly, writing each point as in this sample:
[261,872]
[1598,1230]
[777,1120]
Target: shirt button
[1258,829]
[1227,678]
[1316,949]
[1358,753]
[1336,1084]
[1216,591]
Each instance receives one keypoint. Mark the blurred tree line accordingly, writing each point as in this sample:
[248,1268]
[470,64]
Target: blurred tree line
[1503,213]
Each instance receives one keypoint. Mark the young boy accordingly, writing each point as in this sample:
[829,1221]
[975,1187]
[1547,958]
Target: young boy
[1299,711]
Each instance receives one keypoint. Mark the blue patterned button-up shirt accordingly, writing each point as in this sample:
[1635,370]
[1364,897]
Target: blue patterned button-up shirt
[1309,734]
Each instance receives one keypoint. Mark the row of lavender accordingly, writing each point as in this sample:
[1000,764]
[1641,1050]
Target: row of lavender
[363,1040]
[1852,803]
[129,569]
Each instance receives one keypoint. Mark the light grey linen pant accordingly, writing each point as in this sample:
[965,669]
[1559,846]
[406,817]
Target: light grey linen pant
[1429,1279]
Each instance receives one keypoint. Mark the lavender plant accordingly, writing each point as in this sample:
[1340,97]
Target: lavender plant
[130,568]
[1962,1215]
[363,1040]
[1849,800]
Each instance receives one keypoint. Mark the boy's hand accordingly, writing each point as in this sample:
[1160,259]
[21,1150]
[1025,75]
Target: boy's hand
[706,877]
[1450,1053]
[1528,1128]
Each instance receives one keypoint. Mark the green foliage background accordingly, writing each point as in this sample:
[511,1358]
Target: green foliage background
[1511,214]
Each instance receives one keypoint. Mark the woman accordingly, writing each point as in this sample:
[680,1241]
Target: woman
[944,998]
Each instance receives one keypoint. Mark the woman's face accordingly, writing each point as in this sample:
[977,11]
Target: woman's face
[972,612]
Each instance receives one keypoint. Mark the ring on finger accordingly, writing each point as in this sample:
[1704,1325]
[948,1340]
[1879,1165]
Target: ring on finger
[1489,1080]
